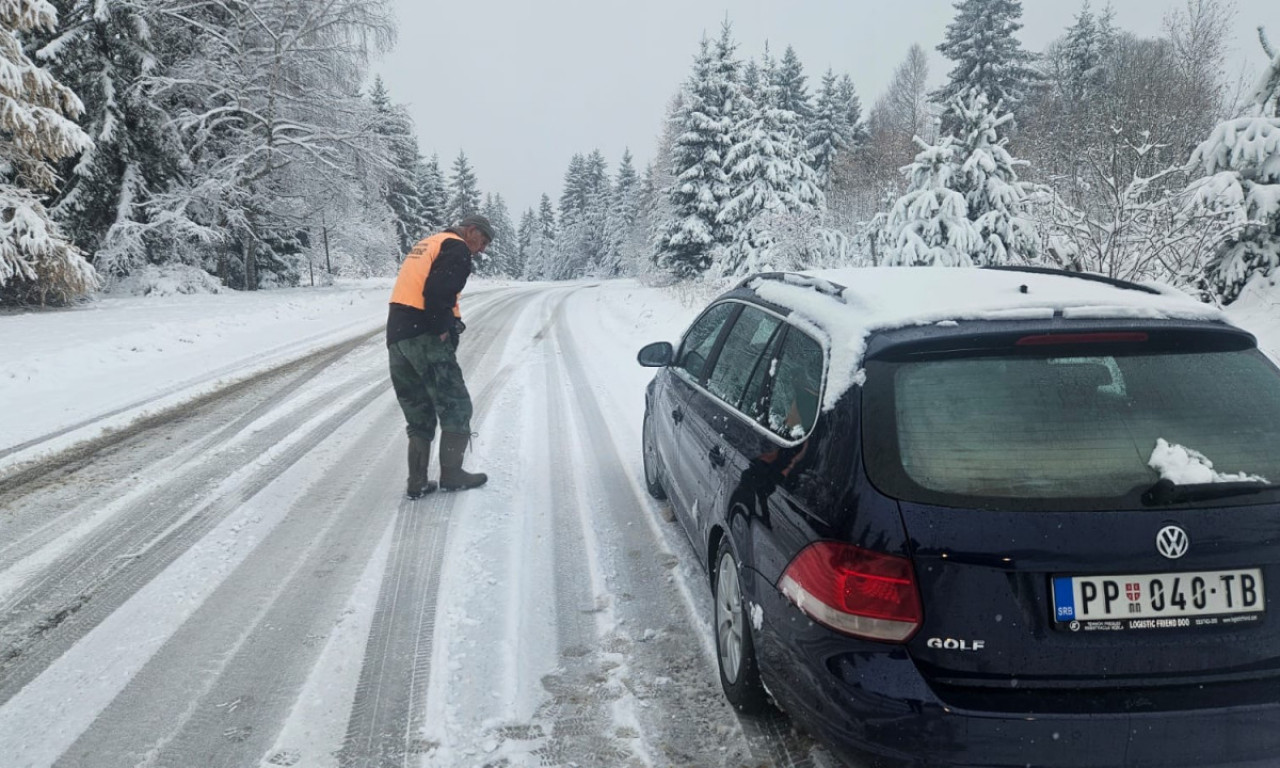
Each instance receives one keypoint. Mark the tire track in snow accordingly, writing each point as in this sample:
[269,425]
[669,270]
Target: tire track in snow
[691,704]
[390,699]
[94,581]
[80,587]
[223,685]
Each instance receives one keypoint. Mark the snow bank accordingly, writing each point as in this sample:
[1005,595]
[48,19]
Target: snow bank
[120,357]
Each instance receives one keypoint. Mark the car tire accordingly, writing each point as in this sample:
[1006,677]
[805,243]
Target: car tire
[735,648]
[652,475]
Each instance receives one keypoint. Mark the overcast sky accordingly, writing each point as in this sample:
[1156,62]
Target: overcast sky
[521,85]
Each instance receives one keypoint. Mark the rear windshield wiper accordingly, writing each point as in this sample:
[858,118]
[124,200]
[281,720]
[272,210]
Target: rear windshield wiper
[1166,492]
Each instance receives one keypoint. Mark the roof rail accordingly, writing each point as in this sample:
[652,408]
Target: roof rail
[825,287]
[1090,276]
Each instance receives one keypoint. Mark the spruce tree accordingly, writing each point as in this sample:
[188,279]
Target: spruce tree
[981,41]
[524,242]
[854,130]
[624,211]
[500,258]
[37,263]
[394,126]
[432,195]
[828,134]
[988,176]
[105,53]
[464,191]
[704,133]
[541,262]
[793,92]
[771,179]
[1241,162]
[965,205]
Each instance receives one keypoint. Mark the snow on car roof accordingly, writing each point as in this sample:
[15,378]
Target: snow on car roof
[883,298]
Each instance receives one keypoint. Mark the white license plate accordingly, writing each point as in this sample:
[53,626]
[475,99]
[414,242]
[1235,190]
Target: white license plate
[1158,595]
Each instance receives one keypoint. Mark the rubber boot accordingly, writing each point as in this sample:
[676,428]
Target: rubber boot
[452,476]
[419,468]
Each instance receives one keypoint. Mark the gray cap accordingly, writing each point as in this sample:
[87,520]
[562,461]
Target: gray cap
[479,222]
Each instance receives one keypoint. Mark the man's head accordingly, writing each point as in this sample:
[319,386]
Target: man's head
[477,232]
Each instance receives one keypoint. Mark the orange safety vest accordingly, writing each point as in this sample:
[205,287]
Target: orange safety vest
[415,269]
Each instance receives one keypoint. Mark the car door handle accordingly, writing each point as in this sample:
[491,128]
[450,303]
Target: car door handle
[716,456]
[677,415]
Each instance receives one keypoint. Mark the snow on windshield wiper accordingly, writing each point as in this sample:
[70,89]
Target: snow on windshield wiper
[1166,492]
[1188,475]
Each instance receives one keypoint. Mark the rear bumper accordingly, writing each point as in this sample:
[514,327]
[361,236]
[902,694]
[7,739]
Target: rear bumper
[869,701]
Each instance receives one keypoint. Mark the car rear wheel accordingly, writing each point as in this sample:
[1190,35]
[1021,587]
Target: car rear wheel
[652,477]
[739,675]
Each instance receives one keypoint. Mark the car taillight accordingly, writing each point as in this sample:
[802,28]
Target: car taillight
[856,591]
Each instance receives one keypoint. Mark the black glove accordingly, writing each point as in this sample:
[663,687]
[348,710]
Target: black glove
[455,330]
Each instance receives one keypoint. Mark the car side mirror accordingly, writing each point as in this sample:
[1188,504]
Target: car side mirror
[659,354]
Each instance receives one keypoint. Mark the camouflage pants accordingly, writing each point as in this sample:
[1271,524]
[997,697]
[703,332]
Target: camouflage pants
[429,386]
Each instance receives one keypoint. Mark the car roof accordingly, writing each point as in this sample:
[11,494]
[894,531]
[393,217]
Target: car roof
[846,307]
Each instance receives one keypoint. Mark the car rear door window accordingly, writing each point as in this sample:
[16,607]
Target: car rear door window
[700,341]
[742,347]
[797,385]
[1041,429]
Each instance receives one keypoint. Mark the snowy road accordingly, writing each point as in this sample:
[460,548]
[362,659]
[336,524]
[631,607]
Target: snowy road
[240,582]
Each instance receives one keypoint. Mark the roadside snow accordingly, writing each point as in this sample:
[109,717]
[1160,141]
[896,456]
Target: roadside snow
[62,372]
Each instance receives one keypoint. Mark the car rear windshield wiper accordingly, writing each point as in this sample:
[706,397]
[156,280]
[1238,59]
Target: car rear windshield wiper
[1166,492]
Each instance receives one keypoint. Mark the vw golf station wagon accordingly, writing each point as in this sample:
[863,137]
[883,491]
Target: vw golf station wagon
[982,517]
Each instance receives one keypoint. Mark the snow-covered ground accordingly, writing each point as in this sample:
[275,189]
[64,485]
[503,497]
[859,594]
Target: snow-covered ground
[242,580]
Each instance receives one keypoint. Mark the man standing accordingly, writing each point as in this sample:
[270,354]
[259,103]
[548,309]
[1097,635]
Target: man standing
[423,326]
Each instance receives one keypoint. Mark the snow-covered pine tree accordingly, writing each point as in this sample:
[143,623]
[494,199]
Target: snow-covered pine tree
[929,225]
[464,191]
[500,258]
[793,90]
[855,131]
[988,178]
[583,213]
[37,263]
[771,179]
[624,210]
[974,165]
[433,195]
[981,41]
[1241,162]
[543,251]
[395,127]
[704,124]
[524,241]
[104,51]
[828,135]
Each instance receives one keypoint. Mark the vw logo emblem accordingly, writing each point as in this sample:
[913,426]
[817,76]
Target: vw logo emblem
[1172,542]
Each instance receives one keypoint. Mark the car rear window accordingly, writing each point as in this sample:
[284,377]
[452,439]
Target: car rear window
[1048,429]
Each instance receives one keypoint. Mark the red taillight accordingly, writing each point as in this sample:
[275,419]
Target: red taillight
[855,591]
[1080,338]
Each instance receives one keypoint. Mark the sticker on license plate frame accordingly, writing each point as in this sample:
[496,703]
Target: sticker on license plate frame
[1158,600]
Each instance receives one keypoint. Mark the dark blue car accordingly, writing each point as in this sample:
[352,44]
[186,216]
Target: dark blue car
[983,517]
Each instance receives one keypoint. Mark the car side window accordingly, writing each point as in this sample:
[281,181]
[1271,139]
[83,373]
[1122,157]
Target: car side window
[742,347]
[701,339]
[797,385]
[755,400]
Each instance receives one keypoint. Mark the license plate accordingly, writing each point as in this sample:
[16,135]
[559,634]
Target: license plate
[1158,595]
